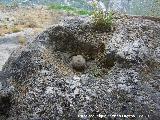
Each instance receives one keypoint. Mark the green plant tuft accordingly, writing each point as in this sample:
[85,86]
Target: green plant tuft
[102,20]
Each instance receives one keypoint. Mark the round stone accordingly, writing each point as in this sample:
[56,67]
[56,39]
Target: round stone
[78,63]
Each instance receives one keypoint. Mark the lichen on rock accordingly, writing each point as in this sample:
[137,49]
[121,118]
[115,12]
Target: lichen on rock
[46,86]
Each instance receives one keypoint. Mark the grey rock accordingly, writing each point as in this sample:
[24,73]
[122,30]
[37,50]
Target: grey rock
[9,43]
[129,87]
[6,91]
[134,40]
[78,63]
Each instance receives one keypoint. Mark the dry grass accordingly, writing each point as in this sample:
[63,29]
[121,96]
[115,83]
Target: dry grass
[15,29]
[6,29]
[35,18]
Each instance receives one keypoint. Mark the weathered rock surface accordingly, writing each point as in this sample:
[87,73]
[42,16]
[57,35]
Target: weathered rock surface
[122,77]
[11,42]
[5,96]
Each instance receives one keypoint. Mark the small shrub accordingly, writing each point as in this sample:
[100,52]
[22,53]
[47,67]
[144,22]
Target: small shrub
[22,40]
[102,20]
[14,30]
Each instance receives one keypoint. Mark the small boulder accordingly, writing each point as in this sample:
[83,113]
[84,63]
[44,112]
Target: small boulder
[78,63]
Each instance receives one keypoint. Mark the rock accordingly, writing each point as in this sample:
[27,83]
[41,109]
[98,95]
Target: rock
[137,42]
[75,36]
[9,43]
[0,85]
[5,95]
[2,80]
[5,104]
[78,63]
[129,86]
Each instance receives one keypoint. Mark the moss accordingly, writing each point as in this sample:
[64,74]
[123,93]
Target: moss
[69,9]
[83,12]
